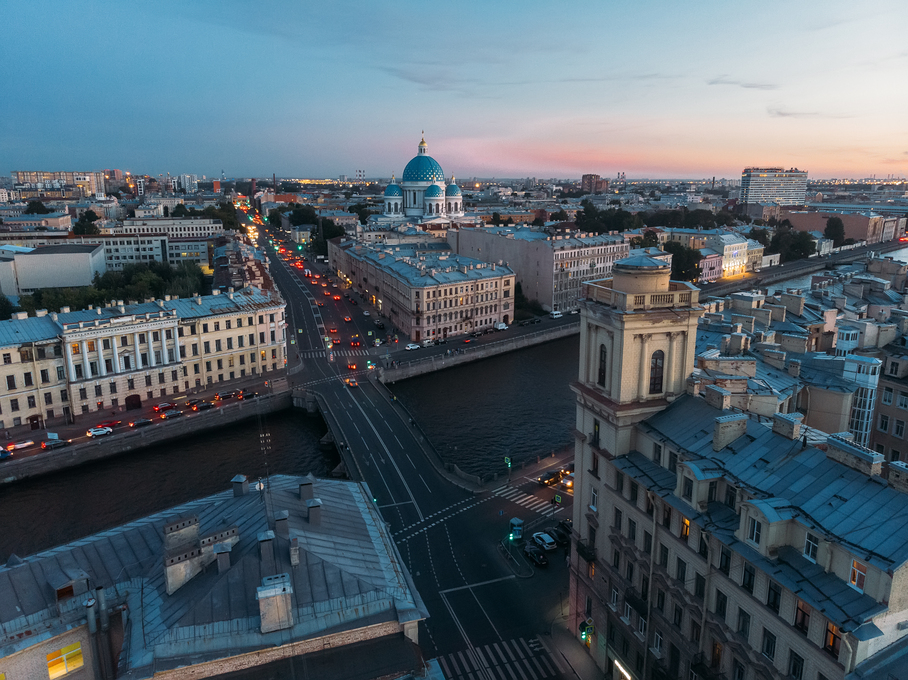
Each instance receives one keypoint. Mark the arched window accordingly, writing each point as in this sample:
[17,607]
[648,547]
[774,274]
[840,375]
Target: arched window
[655,372]
[603,357]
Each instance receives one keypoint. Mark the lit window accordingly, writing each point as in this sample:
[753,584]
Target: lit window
[64,661]
[858,574]
[685,527]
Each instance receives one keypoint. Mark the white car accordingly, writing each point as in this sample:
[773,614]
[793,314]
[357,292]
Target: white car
[98,431]
[544,541]
[366,313]
[411,345]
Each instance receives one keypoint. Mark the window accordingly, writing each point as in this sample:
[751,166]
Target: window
[635,491]
[811,544]
[666,516]
[614,596]
[721,603]
[64,661]
[657,641]
[632,530]
[903,399]
[747,580]
[657,454]
[619,519]
[663,555]
[738,670]
[594,495]
[755,529]
[629,571]
[887,395]
[31,402]
[687,488]
[699,585]
[743,623]
[884,423]
[206,347]
[14,404]
[802,617]
[685,528]
[724,560]
[898,430]
[7,358]
[647,542]
[603,357]
[769,644]
[672,462]
[681,570]
[83,393]
[619,482]
[678,616]
[616,559]
[655,372]
[694,631]
[774,597]
[858,574]
[660,600]
[795,666]
[731,496]
[627,611]
[704,545]
[28,379]
[641,625]
[10,382]
[833,639]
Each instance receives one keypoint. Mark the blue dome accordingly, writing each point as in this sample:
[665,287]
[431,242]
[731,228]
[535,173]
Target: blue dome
[423,169]
[434,191]
[393,190]
[452,190]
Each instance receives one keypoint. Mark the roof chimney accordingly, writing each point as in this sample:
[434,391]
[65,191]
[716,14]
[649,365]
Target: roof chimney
[282,523]
[306,488]
[240,485]
[717,397]
[787,424]
[64,310]
[294,552]
[727,429]
[222,553]
[266,551]
[898,475]
[854,455]
[314,505]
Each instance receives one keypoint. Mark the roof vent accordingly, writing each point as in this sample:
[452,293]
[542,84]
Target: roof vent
[266,551]
[240,485]
[787,424]
[314,505]
[64,310]
[727,429]
[282,523]
[222,553]
[306,488]
[40,312]
[898,478]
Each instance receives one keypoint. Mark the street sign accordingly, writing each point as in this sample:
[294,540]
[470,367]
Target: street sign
[558,498]
[507,461]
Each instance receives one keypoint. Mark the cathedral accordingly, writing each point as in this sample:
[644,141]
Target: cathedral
[422,196]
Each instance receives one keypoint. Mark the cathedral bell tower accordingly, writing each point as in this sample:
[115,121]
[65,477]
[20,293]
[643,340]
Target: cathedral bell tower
[637,345]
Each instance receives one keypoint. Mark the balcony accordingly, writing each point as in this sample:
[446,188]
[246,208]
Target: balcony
[586,551]
[679,294]
[700,665]
[636,601]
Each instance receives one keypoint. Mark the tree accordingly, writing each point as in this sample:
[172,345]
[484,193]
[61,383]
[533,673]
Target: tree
[36,208]
[6,308]
[362,211]
[538,222]
[560,216]
[86,225]
[835,231]
[166,211]
[496,219]
[180,210]
[685,261]
[760,235]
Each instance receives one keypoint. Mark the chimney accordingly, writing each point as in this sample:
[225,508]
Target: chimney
[266,551]
[181,532]
[275,605]
[101,597]
[306,488]
[717,397]
[222,553]
[240,485]
[787,424]
[854,455]
[90,606]
[727,429]
[282,523]
[64,310]
[794,368]
[314,505]
[294,552]
[898,476]
[40,312]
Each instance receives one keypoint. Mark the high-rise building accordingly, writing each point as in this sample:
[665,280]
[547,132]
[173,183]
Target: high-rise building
[773,185]
[593,184]
[36,183]
[140,186]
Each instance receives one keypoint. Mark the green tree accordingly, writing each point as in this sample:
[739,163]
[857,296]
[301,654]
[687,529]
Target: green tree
[36,208]
[761,235]
[496,219]
[86,226]
[835,231]
[685,261]
[6,308]
[180,210]
[362,211]
[560,216]
[648,240]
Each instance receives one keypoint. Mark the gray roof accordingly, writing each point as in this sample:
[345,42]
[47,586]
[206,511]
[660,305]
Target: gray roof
[67,248]
[349,573]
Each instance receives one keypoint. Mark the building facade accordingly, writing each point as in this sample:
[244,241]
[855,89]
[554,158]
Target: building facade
[773,185]
[38,183]
[174,227]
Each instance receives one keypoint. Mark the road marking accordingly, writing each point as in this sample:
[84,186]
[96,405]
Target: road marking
[394,505]
[423,481]
[485,613]
[477,585]
[489,662]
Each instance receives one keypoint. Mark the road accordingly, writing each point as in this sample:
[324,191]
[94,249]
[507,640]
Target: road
[489,615]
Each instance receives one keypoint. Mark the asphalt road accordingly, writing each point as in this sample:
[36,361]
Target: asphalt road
[489,616]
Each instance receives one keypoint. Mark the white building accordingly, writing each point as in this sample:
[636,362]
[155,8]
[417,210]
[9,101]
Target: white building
[773,185]
[174,227]
[733,249]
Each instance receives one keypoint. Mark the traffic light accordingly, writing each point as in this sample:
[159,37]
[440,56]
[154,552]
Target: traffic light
[586,629]
[511,536]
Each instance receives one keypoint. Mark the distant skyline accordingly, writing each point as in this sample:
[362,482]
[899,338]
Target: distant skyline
[652,89]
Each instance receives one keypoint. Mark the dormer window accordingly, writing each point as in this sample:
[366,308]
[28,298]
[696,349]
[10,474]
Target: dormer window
[858,575]
[687,488]
[754,531]
[811,544]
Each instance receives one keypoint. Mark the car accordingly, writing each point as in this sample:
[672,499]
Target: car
[109,423]
[164,406]
[320,303]
[355,343]
[5,455]
[203,406]
[346,294]
[525,323]
[334,285]
[220,396]
[441,341]
[351,365]
[327,293]
[192,402]
[351,382]
[536,320]
[476,334]
[411,346]
[15,446]
[348,319]
[314,282]
[544,541]
[568,482]
[366,313]
[535,555]
[549,478]
[466,340]
[141,422]
[379,323]
[567,524]
[247,394]
[324,285]
[173,413]
[562,536]
[336,297]
[332,330]
[353,302]
[54,443]
[98,431]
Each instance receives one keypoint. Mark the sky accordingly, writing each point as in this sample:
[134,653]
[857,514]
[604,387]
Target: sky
[651,88]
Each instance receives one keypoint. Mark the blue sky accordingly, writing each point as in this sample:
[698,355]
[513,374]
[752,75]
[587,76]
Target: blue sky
[651,88]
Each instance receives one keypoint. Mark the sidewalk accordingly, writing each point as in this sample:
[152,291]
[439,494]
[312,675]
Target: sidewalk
[571,653]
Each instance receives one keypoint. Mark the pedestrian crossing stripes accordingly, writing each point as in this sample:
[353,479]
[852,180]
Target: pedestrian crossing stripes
[312,353]
[526,500]
[517,659]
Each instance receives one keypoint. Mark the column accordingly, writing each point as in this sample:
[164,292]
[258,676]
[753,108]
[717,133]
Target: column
[151,359]
[135,338]
[610,368]
[70,365]
[164,360]
[176,345]
[116,357]
[642,387]
[86,367]
[668,381]
[99,343]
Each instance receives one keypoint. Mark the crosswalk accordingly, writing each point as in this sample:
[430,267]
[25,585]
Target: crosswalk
[315,353]
[528,501]
[517,659]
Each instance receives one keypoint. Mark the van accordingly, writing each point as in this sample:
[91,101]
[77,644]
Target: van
[501,326]
[428,343]
[556,314]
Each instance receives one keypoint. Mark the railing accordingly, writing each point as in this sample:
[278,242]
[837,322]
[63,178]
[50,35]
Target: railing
[586,551]
[680,294]
[700,665]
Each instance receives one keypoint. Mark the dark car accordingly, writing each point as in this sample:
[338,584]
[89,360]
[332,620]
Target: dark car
[220,396]
[567,524]
[54,444]
[353,302]
[173,413]
[141,422]
[536,555]
[536,320]
[550,478]
[379,324]
[562,536]
[192,402]
[203,406]
[247,394]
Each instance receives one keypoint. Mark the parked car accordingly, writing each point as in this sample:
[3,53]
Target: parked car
[141,422]
[544,541]
[561,535]
[24,444]
[535,555]
[98,431]
[166,406]
[411,346]
[54,443]
[173,413]
[203,406]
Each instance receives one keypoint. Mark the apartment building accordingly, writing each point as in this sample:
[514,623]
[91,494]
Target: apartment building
[60,221]
[713,545]
[57,365]
[773,185]
[174,227]
[39,183]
